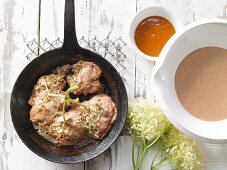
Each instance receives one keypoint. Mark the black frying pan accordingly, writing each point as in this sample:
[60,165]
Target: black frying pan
[70,53]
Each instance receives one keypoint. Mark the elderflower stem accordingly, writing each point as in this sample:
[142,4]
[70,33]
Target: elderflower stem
[138,154]
[153,160]
[138,165]
[145,149]
[159,164]
[157,138]
[144,152]
[133,154]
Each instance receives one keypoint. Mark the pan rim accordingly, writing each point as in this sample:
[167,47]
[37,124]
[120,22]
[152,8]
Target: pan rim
[90,154]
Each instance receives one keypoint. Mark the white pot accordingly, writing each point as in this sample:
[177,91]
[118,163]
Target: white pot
[197,35]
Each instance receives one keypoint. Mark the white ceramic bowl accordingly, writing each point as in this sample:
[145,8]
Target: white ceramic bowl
[155,10]
[197,35]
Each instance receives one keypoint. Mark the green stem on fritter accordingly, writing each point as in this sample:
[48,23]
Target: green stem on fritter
[78,103]
[63,111]
[55,95]
[69,90]
[52,94]
[66,98]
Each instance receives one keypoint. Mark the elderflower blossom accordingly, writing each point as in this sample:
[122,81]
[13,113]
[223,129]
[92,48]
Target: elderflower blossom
[146,120]
[182,150]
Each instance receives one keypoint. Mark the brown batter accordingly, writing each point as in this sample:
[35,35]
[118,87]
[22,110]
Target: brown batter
[201,83]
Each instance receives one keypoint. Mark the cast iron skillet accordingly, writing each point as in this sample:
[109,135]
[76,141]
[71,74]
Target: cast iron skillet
[70,53]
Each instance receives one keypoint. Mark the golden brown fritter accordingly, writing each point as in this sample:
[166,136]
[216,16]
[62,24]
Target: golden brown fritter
[102,114]
[70,124]
[73,131]
[86,76]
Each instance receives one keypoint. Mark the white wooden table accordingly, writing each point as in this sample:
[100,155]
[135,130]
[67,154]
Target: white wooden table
[24,20]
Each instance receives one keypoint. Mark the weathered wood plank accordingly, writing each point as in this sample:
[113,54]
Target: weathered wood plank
[121,153]
[2,37]
[101,18]
[19,19]
[22,158]
[52,19]
[82,18]
[111,19]
[1,86]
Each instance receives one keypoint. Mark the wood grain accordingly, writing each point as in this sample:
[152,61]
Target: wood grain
[19,22]
[19,19]
[111,19]
[2,38]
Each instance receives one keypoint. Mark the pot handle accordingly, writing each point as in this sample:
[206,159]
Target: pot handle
[70,42]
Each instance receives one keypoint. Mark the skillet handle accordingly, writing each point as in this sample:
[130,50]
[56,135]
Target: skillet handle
[70,42]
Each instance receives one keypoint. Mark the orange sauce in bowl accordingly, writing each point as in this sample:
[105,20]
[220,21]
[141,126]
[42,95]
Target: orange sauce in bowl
[152,33]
